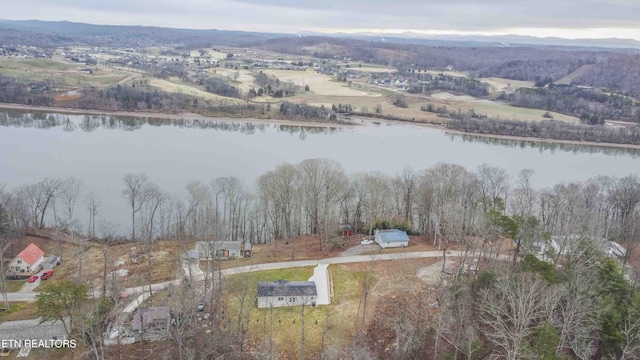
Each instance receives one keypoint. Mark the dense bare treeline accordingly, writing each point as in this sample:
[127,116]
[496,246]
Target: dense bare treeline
[577,101]
[547,129]
[575,304]
[446,202]
[620,72]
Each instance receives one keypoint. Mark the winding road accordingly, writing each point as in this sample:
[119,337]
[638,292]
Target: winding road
[142,292]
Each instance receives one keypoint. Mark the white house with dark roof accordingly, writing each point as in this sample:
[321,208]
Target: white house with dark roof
[282,293]
[391,238]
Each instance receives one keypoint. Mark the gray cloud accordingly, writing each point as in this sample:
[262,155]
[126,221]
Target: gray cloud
[341,15]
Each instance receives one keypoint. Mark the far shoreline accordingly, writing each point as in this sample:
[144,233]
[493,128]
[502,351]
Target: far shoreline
[316,124]
[169,116]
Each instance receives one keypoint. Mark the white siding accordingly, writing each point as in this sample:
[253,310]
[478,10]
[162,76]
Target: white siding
[393,244]
[281,301]
[19,265]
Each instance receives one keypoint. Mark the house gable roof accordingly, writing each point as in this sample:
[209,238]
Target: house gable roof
[393,235]
[146,317]
[287,288]
[31,254]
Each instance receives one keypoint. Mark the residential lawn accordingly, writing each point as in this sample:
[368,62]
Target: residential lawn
[19,311]
[333,324]
[14,285]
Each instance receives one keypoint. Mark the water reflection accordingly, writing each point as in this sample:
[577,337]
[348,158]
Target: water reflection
[89,123]
[552,147]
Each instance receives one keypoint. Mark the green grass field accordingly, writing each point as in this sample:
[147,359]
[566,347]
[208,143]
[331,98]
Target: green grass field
[333,324]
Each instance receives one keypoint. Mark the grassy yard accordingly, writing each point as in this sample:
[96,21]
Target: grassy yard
[19,311]
[15,285]
[331,325]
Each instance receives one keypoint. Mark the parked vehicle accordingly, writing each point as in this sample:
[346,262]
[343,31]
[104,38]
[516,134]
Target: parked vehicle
[201,305]
[33,278]
[47,274]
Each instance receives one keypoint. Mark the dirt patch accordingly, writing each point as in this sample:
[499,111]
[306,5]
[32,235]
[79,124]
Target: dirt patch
[433,273]
[131,257]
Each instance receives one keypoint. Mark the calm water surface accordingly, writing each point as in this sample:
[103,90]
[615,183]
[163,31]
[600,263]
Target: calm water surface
[101,149]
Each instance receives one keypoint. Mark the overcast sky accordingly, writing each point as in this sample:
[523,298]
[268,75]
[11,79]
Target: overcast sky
[562,18]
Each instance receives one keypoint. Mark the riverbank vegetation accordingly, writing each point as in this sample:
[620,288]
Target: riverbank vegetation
[560,262]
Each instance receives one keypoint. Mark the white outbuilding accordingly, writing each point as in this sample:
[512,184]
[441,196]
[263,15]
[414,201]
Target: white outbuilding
[391,238]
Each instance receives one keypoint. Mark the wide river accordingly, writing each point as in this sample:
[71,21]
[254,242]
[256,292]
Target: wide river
[99,150]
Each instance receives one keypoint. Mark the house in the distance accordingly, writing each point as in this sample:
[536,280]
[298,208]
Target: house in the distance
[155,318]
[391,238]
[219,250]
[286,293]
[346,230]
[28,261]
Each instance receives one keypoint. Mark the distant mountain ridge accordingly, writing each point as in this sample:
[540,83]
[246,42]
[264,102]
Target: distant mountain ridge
[484,40]
[67,33]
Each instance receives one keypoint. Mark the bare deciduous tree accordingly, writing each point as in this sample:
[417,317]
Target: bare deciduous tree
[134,184]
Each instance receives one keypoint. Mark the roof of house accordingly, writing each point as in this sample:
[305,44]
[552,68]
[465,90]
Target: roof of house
[392,235]
[287,288]
[208,247]
[31,254]
[345,227]
[145,317]
[33,329]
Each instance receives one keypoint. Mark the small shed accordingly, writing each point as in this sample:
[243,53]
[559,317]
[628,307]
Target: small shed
[391,238]
[248,248]
[286,293]
[346,230]
[51,262]
[154,318]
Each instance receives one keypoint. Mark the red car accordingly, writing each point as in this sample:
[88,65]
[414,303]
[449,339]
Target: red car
[33,278]
[47,274]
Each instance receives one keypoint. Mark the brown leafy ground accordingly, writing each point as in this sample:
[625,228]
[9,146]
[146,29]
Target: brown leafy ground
[166,256]
[309,247]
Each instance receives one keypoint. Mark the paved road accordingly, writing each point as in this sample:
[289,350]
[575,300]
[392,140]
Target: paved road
[30,296]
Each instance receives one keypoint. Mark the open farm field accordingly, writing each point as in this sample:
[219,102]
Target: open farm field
[173,87]
[506,85]
[61,71]
[244,79]
[319,84]
[493,108]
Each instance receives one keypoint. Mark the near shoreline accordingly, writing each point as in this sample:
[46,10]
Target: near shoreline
[185,115]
